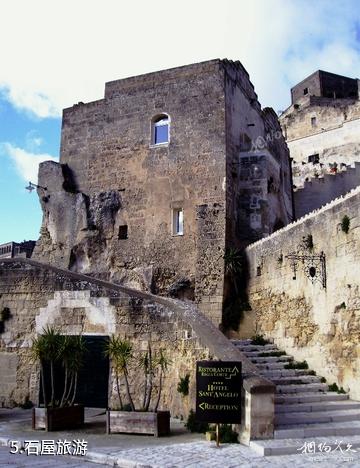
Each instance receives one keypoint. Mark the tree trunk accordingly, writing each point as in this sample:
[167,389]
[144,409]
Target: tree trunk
[52,402]
[75,388]
[150,376]
[148,399]
[43,384]
[70,388]
[118,391]
[128,390]
[65,388]
[159,393]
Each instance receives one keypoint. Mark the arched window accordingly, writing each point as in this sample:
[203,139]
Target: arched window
[160,130]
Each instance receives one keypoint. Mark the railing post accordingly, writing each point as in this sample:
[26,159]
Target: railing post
[258,410]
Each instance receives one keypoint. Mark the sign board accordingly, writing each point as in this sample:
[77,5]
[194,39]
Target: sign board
[218,391]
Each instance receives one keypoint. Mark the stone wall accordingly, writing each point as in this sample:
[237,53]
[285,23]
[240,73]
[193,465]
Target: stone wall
[39,296]
[108,150]
[258,181]
[325,84]
[317,191]
[122,189]
[312,312]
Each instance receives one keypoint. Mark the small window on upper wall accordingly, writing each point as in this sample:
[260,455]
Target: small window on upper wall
[123,232]
[178,222]
[306,91]
[160,130]
[313,121]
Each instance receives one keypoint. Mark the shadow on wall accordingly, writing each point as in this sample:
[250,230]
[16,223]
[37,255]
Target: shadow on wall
[235,289]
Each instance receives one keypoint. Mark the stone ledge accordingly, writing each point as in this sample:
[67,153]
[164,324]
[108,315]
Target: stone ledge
[257,385]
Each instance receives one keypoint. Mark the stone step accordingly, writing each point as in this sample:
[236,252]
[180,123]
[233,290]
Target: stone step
[268,347]
[296,379]
[264,359]
[301,431]
[300,388]
[276,373]
[311,397]
[258,353]
[295,446]
[269,366]
[294,419]
[315,407]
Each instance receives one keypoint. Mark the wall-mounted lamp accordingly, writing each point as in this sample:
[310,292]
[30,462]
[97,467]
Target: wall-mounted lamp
[32,187]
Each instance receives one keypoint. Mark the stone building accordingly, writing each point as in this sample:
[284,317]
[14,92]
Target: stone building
[322,130]
[156,183]
[16,249]
[160,176]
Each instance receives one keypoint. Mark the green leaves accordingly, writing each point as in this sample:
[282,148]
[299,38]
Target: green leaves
[120,353]
[233,260]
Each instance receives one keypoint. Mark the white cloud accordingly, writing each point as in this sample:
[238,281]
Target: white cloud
[60,52]
[33,140]
[26,163]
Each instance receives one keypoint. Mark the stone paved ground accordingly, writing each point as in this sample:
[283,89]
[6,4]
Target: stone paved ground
[206,455]
[7,460]
[181,450]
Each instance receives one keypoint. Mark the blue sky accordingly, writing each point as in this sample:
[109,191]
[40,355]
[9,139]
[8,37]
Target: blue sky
[57,53]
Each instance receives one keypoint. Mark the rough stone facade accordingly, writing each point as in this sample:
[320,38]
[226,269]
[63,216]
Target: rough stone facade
[40,295]
[322,128]
[38,298]
[325,84]
[109,204]
[310,304]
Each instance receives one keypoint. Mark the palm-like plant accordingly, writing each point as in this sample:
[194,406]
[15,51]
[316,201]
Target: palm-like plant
[71,353]
[38,353]
[52,347]
[147,363]
[120,353]
[50,341]
[163,363]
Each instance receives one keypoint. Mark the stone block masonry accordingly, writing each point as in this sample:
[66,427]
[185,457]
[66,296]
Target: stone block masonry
[111,205]
[42,295]
[312,309]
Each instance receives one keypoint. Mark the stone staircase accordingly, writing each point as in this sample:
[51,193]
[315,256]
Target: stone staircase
[305,411]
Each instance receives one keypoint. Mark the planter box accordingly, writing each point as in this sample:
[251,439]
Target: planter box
[57,419]
[138,422]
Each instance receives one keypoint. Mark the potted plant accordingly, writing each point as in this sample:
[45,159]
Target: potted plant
[144,420]
[59,410]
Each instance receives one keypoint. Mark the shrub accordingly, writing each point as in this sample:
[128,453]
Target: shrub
[227,435]
[297,365]
[334,388]
[272,353]
[183,385]
[345,224]
[194,425]
[308,242]
[259,340]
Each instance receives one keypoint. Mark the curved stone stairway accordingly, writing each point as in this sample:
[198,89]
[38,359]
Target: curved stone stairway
[305,411]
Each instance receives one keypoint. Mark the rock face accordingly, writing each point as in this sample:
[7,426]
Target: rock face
[75,227]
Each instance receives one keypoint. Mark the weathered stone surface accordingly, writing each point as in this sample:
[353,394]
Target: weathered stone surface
[122,189]
[42,295]
[312,322]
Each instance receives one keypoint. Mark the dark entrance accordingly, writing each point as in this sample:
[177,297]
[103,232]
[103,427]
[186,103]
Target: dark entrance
[93,378]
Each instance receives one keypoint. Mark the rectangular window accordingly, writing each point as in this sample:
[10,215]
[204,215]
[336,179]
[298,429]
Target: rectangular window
[313,121]
[161,134]
[178,222]
[123,232]
[314,158]
[306,91]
